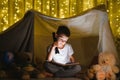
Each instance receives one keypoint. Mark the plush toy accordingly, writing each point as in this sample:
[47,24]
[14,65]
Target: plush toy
[25,66]
[2,74]
[7,64]
[106,68]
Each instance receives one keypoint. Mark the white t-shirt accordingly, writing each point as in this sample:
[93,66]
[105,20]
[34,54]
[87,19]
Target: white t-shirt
[64,54]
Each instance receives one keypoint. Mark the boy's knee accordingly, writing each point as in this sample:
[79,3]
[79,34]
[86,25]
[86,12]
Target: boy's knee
[78,68]
[46,64]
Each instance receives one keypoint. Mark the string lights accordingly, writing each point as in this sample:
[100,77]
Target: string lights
[54,6]
[13,10]
[4,15]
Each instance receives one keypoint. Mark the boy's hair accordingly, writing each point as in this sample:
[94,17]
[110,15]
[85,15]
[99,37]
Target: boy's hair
[63,30]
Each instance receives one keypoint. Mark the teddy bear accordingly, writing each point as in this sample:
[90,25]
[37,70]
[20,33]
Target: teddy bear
[25,67]
[7,64]
[106,69]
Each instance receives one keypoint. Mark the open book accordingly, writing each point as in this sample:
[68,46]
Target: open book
[68,64]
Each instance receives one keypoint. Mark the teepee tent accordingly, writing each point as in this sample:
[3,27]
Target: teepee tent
[90,35]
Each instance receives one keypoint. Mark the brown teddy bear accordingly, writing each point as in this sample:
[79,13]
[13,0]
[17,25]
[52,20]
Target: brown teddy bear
[105,69]
[26,69]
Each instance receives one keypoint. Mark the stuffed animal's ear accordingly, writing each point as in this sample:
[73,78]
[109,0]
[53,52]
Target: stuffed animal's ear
[101,58]
[23,57]
[101,54]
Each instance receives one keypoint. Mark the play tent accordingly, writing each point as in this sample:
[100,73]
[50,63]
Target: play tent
[90,35]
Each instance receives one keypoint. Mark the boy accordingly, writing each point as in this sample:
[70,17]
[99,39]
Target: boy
[61,52]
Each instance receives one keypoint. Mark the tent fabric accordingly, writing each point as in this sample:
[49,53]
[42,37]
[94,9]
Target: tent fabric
[90,35]
[19,37]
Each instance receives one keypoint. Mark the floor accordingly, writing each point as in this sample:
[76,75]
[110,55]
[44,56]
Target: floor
[49,79]
[57,79]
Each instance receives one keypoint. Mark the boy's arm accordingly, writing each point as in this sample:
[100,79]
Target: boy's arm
[50,54]
[72,59]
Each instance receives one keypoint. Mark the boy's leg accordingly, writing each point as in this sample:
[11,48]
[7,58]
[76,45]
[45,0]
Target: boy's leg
[69,72]
[52,68]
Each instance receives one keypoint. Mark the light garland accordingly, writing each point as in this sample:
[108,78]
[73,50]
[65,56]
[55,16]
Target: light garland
[4,15]
[14,10]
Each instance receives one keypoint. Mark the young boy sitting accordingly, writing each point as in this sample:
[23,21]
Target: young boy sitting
[61,52]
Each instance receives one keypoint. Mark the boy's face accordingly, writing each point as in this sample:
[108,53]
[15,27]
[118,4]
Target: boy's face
[62,39]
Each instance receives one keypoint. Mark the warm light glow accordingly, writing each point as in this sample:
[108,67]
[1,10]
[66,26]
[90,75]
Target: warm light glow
[13,10]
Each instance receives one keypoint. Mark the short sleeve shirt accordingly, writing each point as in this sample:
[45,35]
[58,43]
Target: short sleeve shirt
[64,54]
